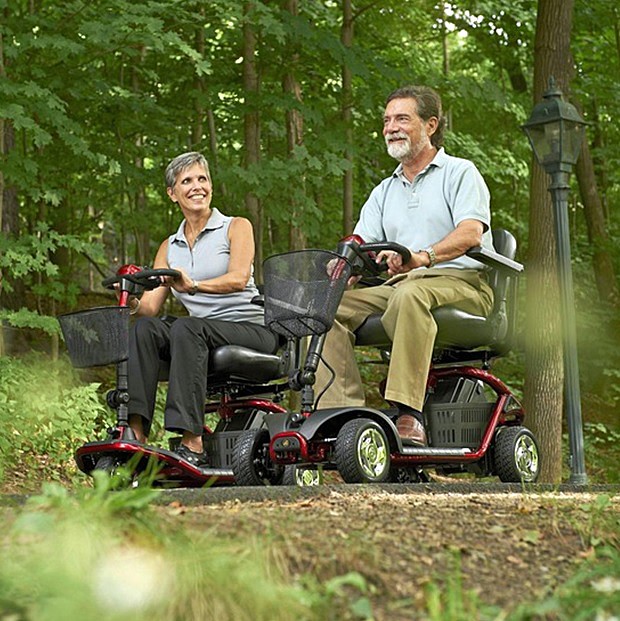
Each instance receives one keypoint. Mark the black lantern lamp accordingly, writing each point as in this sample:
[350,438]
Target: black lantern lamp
[556,131]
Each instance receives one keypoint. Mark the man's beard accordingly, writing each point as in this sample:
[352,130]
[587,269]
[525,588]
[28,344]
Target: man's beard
[405,150]
[398,150]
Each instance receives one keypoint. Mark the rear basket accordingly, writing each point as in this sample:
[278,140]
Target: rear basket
[457,425]
[97,336]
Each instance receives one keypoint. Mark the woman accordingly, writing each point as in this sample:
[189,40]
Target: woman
[214,255]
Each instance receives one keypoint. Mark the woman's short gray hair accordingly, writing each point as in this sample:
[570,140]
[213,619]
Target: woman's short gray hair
[183,162]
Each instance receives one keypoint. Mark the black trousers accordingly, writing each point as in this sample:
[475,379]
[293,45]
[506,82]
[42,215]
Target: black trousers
[184,343]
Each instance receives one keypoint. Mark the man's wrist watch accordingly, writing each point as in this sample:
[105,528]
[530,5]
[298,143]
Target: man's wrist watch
[432,257]
[194,288]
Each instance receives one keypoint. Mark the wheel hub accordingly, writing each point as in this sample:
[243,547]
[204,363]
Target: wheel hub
[372,452]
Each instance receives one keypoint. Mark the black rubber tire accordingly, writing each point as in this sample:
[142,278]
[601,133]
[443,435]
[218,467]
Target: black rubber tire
[408,475]
[516,457]
[251,464]
[300,476]
[362,452]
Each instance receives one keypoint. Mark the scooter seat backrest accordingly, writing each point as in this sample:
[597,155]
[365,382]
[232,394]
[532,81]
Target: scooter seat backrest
[463,331]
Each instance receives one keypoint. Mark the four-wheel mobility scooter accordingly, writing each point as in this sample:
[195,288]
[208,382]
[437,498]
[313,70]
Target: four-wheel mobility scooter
[474,422]
[237,382]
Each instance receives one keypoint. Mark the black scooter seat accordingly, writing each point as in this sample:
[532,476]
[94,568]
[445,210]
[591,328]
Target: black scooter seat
[242,363]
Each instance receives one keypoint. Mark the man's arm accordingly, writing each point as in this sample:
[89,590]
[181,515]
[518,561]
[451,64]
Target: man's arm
[466,235]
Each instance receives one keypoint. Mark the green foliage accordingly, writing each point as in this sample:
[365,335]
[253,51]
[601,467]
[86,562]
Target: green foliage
[24,318]
[97,555]
[45,414]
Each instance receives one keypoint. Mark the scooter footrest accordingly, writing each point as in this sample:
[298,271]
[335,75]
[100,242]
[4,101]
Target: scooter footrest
[434,452]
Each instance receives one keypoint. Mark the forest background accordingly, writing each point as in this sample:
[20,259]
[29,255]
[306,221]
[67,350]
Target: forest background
[285,99]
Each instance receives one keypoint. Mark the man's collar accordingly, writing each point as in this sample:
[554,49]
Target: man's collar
[439,160]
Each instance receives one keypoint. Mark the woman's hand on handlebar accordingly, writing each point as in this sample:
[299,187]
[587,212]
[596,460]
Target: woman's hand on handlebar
[181,283]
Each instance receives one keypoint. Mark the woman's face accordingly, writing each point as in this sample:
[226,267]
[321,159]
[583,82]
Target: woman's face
[192,189]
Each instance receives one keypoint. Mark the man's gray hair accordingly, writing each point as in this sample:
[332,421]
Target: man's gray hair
[183,162]
[428,105]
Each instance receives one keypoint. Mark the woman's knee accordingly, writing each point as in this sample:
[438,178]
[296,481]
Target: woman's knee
[146,327]
[185,327]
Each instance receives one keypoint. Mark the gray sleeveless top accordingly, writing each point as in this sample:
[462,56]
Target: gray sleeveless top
[208,259]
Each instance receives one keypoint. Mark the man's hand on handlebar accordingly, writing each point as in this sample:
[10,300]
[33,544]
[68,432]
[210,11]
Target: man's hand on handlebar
[394,261]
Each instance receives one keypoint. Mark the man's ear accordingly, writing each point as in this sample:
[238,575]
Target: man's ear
[431,125]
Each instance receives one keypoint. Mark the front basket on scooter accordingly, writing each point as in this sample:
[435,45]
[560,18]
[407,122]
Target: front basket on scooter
[97,336]
[303,290]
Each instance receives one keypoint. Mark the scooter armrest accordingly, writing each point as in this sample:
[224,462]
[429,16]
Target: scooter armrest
[495,260]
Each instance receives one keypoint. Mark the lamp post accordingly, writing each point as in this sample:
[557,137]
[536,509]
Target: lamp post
[555,131]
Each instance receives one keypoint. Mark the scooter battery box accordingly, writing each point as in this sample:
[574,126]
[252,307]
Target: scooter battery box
[457,425]
[220,447]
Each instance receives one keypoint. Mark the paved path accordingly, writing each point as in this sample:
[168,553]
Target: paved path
[216,495]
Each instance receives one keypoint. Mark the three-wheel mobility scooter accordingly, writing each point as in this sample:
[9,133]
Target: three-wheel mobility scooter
[474,422]
[238,379]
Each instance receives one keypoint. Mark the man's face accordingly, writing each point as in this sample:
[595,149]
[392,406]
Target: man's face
[406,134]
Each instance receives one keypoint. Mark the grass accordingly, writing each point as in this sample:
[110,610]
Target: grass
[105,554]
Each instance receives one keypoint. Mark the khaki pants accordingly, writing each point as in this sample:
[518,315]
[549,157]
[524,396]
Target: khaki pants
[406,302]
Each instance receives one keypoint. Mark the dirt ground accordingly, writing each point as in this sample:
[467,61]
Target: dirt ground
[508,548]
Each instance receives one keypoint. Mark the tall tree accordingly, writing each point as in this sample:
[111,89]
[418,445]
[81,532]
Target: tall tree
[252,125]
[294,128]
[544,370]
[602,260]
[346,37]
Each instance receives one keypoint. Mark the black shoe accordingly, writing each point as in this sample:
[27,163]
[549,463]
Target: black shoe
[199,460]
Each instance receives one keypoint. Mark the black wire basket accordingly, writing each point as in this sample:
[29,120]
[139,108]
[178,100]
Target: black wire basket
[303,290]
[97,336]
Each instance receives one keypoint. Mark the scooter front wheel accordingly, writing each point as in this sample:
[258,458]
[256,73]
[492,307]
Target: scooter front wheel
[362,452]
[251,464]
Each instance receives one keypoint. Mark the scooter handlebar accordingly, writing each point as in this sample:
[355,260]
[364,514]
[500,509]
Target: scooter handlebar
[147,278]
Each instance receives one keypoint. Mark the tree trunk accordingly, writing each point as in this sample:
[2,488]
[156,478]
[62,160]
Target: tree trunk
[346,37]
[143,234]
[199,84]
[294,130]
[1,187]
[544,369]
[603,266]
[252,129]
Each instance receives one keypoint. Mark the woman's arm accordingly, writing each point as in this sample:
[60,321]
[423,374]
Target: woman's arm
[151,301]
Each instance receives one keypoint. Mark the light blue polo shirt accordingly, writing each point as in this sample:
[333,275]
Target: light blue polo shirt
[209,258]
[420,213]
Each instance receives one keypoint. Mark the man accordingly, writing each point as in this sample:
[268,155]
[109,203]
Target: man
[436,205]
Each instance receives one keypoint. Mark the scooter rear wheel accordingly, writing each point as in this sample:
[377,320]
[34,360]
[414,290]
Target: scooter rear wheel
[362,452]
[251,464]
[516,456]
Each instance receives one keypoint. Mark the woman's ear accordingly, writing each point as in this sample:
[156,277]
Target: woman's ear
[170,192]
